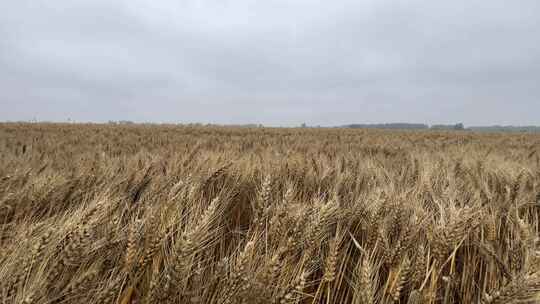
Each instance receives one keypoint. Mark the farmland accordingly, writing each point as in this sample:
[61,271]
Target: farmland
[176,214]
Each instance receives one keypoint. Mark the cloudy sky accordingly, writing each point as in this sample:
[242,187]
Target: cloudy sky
[280,62]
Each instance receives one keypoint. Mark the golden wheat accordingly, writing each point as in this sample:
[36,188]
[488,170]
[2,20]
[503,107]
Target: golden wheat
[173,214]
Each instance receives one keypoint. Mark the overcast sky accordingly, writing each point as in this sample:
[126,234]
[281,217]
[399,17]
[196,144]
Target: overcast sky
[274,62]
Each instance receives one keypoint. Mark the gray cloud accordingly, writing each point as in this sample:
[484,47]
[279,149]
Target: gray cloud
[275,62]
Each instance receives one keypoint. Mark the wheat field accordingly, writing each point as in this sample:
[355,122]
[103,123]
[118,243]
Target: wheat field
[176,214]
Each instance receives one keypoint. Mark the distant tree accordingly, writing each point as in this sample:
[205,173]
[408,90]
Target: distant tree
[303,125]
[458,126]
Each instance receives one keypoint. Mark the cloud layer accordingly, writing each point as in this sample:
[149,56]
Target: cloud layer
[275,62]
